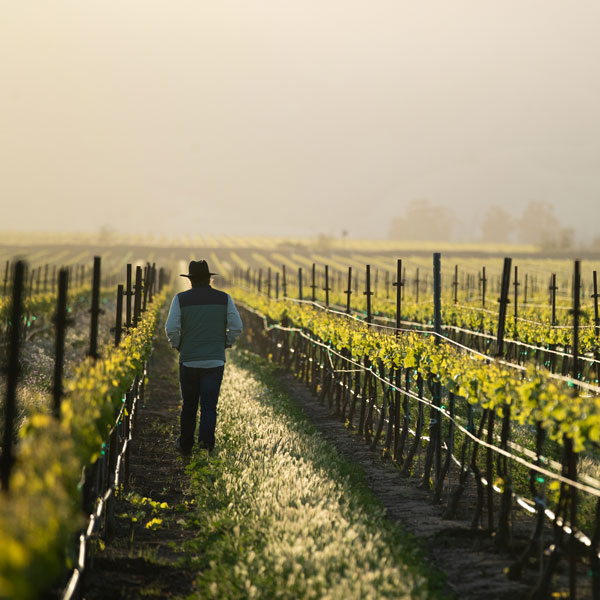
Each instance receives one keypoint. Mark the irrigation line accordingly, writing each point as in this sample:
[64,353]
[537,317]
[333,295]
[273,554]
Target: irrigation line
[517,447]
[520,343]
[393,329]
[525,503]
[494,313]
[491,337]
[569,380]
[540,323]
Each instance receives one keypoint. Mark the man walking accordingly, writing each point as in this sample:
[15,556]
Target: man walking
[202,322]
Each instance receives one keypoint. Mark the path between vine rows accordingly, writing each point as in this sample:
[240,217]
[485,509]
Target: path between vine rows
[141,562]
[473,567]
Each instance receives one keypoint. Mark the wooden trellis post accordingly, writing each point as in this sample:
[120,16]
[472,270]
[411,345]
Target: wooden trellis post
[595,298]
[368,293]
[12,374]
[61,325]
[327,289]
[455,284]
[516,285]
[399,285]
[283,281]
[119,315]
[348,290]
[417,286]
[95,310]
[483,281]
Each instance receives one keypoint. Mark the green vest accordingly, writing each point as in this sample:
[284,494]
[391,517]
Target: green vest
[203,324]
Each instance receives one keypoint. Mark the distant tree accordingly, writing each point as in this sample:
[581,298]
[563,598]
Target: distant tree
[539,225]
[424,221]
[567,238]
[497,225]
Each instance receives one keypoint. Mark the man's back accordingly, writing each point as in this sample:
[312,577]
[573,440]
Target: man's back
[203,324]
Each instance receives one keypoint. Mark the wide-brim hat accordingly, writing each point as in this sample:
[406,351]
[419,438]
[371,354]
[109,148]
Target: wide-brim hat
[198,269]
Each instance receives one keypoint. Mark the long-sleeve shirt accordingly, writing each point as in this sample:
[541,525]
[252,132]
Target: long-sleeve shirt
[173,330]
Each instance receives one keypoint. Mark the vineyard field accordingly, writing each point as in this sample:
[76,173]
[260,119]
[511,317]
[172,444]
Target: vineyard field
[472,375]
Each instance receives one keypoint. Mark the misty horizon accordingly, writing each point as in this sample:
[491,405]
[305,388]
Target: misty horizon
[298,119]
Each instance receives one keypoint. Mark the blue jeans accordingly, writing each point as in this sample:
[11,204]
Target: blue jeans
[199,385]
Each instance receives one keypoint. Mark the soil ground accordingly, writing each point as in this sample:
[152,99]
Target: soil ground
[140,562]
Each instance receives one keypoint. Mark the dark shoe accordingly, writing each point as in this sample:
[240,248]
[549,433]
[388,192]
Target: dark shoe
[180,449]
[205,446]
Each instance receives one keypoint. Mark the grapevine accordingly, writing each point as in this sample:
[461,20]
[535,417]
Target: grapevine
[536,397]
[36,530]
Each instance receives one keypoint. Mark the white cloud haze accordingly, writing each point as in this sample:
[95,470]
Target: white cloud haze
[295,117]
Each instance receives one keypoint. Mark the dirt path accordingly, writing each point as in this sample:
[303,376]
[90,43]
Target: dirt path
[141,561]
[475,570]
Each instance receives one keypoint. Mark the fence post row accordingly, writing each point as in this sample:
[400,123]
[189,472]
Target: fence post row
[13,371]
[102,475]
[346,390]
[348,291]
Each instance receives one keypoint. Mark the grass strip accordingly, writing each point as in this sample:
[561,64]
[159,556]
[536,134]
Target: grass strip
[281,515]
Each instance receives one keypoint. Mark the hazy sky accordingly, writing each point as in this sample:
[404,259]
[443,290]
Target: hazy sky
[295,116]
